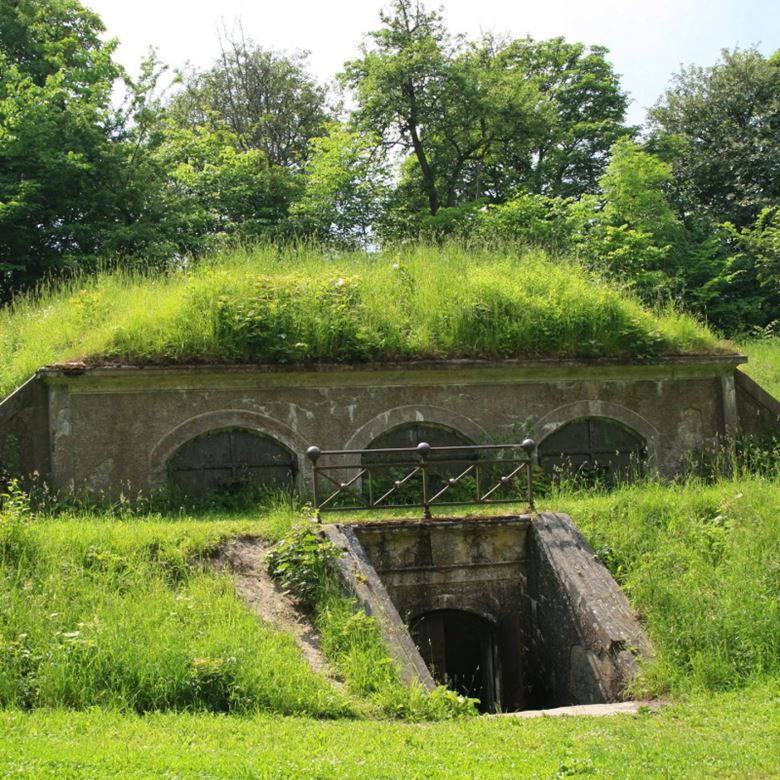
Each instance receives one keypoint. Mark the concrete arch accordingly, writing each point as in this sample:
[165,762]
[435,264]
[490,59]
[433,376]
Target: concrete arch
[454,603]
[164,449]
[401,415]
[579,410]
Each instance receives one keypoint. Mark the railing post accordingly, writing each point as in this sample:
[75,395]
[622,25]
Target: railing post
[313,453]
[423,450]
[529,445]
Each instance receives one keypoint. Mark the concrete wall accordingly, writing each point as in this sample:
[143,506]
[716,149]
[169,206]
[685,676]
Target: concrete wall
[113,428]
[759,412]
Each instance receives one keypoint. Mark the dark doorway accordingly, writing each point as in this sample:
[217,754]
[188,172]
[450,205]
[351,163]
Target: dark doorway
[459,649]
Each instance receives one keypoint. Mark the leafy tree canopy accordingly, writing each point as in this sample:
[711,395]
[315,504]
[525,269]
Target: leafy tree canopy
[487,119]
[720,129]
[267,99]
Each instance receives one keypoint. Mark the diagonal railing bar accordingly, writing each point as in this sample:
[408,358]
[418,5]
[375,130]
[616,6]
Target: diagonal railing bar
[502,482]
[452,481]
[397,484]
[431,462]
[345,486]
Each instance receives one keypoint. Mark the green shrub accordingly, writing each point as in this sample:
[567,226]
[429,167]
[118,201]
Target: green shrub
[302,562]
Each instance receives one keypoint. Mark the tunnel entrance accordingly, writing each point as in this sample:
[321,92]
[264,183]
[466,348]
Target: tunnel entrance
[459,649]
[516,611]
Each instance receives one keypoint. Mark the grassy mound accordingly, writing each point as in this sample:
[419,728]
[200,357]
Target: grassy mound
[268,305]
[95,612]
[764,363]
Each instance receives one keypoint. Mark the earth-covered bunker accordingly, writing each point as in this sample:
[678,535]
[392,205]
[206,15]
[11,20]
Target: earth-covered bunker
[110,429]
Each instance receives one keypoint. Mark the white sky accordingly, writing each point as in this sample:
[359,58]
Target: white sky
[648,39]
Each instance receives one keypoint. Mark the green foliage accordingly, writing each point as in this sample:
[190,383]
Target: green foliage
[719,127]
[580,117]
[756,251]
[302,562]
[537,220]
[300,306]
[16,541]
[55,134]
[213,191]
[346,189]
[268,101]
[483,119]
[447,103]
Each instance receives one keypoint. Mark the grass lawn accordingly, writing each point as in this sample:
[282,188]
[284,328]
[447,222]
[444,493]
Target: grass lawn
[734,735]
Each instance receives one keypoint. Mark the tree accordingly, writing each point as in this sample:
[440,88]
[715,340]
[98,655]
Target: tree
[720,129]
[582,111]
[446,103]
[267,100]
[346,188]
[209,190]
[59,176]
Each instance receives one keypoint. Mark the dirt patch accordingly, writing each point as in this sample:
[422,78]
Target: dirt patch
[245,558]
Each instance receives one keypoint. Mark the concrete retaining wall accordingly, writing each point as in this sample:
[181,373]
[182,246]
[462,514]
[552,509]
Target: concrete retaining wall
[25,433]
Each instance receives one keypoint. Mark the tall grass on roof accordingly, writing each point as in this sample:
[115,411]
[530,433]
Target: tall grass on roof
[303,305]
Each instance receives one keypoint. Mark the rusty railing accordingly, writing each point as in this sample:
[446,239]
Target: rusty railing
[354,480]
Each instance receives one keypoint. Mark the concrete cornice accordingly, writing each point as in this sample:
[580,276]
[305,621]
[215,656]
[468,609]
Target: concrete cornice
[105,378]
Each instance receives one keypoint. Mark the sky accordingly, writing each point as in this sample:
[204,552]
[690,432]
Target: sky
[649,40]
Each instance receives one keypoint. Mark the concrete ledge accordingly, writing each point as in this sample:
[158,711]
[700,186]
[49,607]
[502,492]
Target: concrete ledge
[602,662]
[758,410]
[24,431]
[586,710]
[361,581]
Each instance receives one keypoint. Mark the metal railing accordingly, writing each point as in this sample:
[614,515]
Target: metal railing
[355,480]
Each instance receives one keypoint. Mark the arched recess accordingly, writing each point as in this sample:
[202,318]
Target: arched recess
[229,419]
[230,460]
[594,448]
[401,415]
[385,469]
[580,410]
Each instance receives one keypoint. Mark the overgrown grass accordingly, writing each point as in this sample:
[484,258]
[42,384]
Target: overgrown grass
[708,736]
[701,564]
[302,306]
[764,363]
[132,615]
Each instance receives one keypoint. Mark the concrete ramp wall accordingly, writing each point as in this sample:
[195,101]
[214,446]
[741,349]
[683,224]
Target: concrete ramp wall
[560,630]
[758,410]
[24,431]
